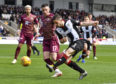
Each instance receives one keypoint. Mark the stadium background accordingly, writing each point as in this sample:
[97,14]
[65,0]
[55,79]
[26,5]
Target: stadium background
[103,10]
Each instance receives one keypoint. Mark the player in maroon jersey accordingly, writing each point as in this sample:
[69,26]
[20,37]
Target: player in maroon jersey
[50,42]
[29,21]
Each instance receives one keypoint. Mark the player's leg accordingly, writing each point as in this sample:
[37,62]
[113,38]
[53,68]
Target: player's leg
[57,71]
[17,53]
[28,50]
[82,57]
[94,51]
[29,41]
[76,46]
[21,41]
[34,48]
[76,67]
[66,55]
[46,53]
[54,48]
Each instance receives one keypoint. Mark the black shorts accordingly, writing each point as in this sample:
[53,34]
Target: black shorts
[77,45]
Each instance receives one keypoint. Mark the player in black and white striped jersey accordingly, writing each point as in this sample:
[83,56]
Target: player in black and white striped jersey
[89,33]
[68,29]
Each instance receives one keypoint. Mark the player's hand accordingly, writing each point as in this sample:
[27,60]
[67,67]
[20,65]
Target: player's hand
[96,23]
[63,40]
[36,36]
[18,32]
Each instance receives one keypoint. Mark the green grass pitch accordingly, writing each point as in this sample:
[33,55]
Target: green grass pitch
[101,71]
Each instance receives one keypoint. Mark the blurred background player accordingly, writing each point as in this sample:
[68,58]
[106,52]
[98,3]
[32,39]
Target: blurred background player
[89,33]
[28,21]
[34,48]
[94,38]
[68,29]
[50,41]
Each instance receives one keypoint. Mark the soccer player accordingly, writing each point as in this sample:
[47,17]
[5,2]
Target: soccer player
[28,21]
[93,39]
[50,41]
[88,32]
[69,29]
[33,46]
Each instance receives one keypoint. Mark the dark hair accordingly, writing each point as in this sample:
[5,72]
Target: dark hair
[44,5]
[86,17]
[89,14]
[57,17]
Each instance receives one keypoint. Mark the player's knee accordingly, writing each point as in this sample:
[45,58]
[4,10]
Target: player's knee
[19,45]
[54,59]
[67,62]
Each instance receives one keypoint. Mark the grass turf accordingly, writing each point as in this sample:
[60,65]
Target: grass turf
[101,71]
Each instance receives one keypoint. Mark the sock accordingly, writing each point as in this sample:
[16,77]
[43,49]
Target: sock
[94,51]
[34,48]
[48,61]
[61,61]
[74,66]
[83,54]
[17,52]
[29,52]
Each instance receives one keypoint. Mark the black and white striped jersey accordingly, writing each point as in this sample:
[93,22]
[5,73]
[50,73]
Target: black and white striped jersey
[70,30]
[87,31]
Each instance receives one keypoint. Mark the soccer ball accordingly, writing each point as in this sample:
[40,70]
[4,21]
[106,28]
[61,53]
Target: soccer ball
[25,61]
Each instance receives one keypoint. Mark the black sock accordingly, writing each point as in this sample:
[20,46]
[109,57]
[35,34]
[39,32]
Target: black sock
[34,48]
[74,66]
[83,54]
[60,62]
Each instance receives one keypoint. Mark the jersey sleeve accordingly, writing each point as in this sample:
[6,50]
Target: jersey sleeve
[77,23]
[58,34]
[36,20]
[94,31]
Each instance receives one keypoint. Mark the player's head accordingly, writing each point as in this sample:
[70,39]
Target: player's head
[45,9]
[28,9]
[86,19]
[90,16]
[57,19]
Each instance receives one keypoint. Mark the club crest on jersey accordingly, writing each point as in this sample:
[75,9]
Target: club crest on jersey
[31,18]
[48,19]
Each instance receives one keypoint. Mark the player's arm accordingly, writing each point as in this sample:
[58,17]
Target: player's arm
[62,39]
[36,27]
[93,23]
[77,23]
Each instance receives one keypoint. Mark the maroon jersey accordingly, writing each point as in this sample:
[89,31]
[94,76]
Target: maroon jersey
[47,27]
[28,24]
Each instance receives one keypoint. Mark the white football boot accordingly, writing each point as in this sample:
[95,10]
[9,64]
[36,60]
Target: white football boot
[95,58]
[14,61]
[58,73]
